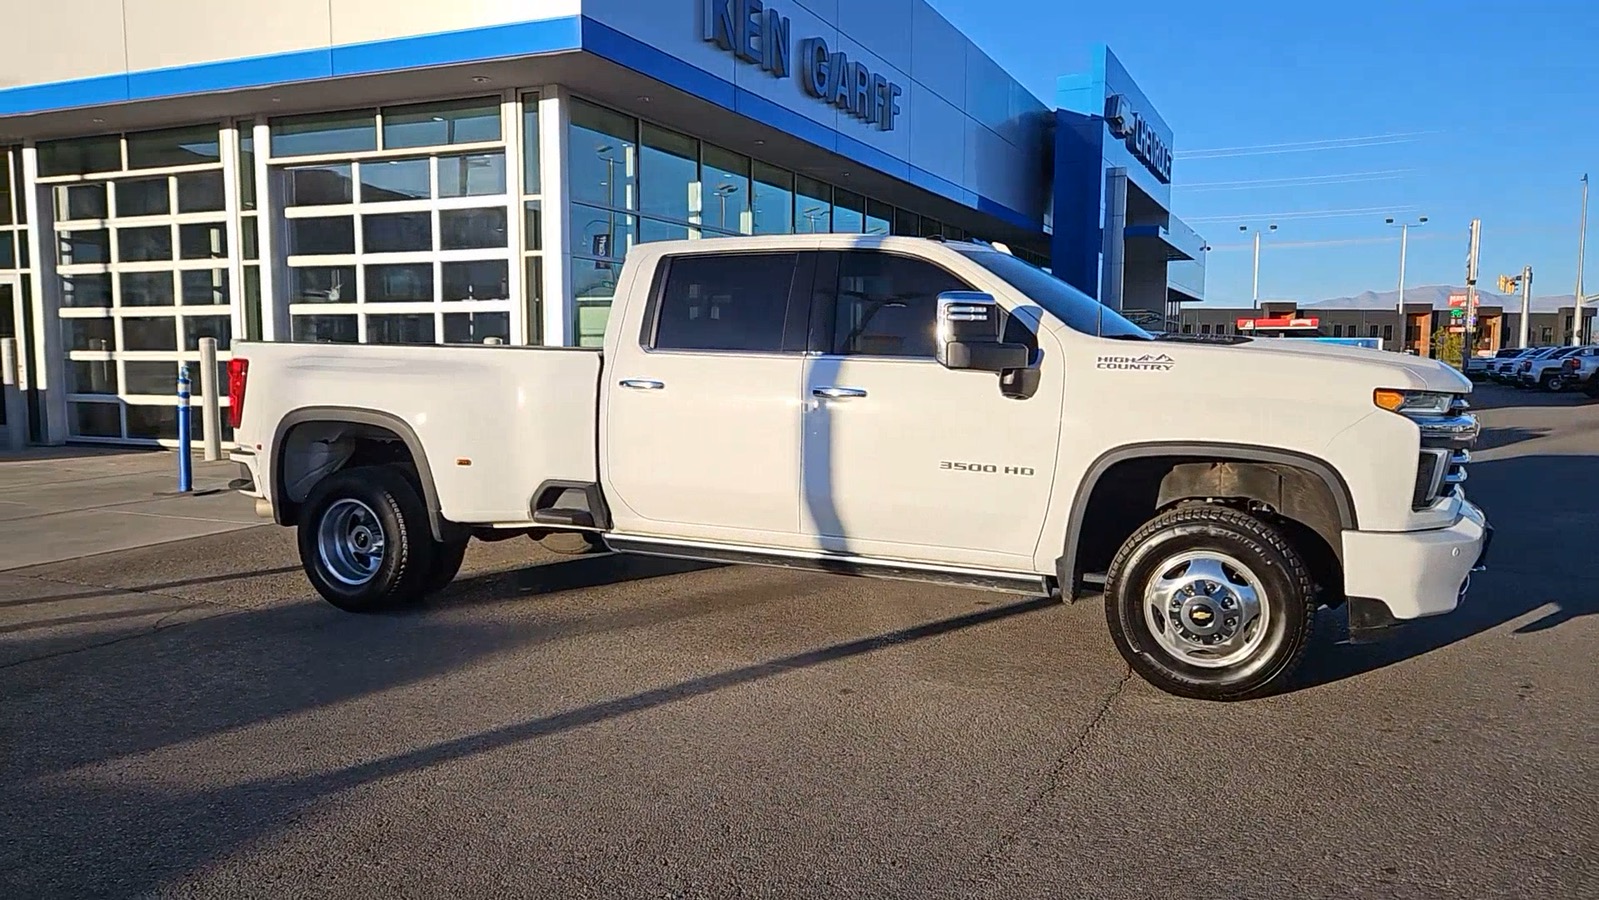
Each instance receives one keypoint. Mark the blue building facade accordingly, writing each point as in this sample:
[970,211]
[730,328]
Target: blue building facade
[373,171]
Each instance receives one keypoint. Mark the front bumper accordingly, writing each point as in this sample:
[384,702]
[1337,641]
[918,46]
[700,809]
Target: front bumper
[1413,574]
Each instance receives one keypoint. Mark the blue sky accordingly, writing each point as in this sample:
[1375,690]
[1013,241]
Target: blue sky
[1444,108]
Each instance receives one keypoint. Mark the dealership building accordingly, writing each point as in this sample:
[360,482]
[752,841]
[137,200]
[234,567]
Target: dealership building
[383,172]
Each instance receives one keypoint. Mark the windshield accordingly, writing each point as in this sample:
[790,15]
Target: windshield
[1076,309]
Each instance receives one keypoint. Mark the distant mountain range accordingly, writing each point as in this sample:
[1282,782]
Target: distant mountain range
[1438,296]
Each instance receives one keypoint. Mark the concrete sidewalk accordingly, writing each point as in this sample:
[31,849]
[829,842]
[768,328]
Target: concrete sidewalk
[66,502]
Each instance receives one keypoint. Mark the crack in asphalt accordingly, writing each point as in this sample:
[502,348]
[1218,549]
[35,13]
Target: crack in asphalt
[992,861]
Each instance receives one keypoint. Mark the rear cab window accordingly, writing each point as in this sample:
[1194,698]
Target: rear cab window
[753,302]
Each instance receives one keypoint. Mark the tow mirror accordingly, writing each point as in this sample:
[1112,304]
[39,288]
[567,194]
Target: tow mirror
[969,334]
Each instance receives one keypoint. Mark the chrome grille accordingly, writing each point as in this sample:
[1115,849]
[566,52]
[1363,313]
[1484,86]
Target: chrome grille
[1441,465]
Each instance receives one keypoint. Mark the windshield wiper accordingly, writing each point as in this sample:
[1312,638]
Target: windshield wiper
[1205,338]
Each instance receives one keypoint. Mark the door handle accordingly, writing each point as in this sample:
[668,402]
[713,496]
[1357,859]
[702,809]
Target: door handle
[837,393]
[643,384]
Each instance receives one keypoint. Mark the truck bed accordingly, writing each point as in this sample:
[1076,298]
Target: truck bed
[494,422]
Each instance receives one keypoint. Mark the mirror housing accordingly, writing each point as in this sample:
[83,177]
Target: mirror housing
[969,334]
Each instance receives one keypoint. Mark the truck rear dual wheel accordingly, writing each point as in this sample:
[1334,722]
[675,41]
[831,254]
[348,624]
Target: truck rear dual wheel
[366,544]
[1210,603]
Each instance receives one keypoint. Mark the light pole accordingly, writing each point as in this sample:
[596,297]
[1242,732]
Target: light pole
[1255,291]
[1404,244]
[1582,240]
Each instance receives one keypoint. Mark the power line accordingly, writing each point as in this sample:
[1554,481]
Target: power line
[1307,214]
[1296,181]
[1349,143]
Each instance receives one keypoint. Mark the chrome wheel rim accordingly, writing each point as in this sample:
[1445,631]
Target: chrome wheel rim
[1556,383]
[350,542]
[1206,609]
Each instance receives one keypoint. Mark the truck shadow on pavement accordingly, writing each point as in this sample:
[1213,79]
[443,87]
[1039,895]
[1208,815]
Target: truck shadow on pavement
[1543,509]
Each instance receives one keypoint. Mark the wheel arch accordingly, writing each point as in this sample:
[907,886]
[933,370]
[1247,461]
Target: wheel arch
[1186,459]
[284,509]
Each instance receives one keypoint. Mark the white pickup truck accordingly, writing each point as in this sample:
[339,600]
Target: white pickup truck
[896,407]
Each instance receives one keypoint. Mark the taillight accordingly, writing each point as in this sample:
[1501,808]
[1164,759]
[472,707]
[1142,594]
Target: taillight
[238,375]
[1572,363]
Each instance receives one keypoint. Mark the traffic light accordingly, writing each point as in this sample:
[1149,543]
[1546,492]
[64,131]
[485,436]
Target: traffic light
[1508,284]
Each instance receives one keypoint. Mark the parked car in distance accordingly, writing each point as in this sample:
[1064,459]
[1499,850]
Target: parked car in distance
[1523,365]
[1536,371]
[1504,362]
[1582,371]
[897,407]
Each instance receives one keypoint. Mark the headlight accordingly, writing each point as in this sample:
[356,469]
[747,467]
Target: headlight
[1414,403]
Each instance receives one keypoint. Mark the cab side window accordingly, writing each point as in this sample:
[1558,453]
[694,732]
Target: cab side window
[888,306]
[738,301]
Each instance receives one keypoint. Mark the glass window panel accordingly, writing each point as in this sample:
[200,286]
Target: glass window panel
[250,237]
[156,422]
[727,189]
[89,334]
[652,230]
[733,302]
[146,288]
[397,232]
[408,283]
[246,165]
[849,212]
[5,187]
[813,206]
[157,333]
[97,420]
[321,236]
[593,287]
[533,288]
[475,328]
[668,166]
[325,329]
[472,229]
[952,233]
[206,287]
[155,377]
[143,197]
[201,192]
[98,376]
[80,156]
[86,291]
[487,279]
[435,124]
[878,217]
[147,244]
[385,181]
[603,157]
[322,284]
[252,303]
[931,227]
[318,185]
[339,132]
[8,250]
[405,328]
[23,262]
[907,223]
[773,211]
[599,232]
[204,240]
[81,201]
[195,145]
[472,175]
[196,327]
[533,227]
[80,247]
[18,191]
[530,144]
[888,305]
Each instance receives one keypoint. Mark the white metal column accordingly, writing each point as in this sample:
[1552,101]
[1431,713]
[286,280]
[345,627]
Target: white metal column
[268,222]
[516,220]
[50,356]
[560,313]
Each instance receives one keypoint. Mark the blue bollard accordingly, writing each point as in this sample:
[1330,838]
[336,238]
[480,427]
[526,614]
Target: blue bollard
[185,435]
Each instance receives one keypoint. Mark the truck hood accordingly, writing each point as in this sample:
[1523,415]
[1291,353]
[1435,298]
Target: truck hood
[1403,370]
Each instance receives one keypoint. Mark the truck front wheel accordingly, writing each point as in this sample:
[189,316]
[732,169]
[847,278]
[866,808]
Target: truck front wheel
[364,540]
[1210,603]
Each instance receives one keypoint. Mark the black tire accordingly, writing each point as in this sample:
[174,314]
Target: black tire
[572,543]
[343,502]
[1554,383]
[1253,548]
[1592,386]
[447,559]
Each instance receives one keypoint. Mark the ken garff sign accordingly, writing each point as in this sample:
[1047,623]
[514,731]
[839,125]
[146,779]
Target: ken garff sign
[1142,139]
[758,34]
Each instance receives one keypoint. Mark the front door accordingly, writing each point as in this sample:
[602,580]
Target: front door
[906,459]
[13,410]
[701,433]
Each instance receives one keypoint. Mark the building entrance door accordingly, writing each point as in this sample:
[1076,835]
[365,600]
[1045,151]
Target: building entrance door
[13,411]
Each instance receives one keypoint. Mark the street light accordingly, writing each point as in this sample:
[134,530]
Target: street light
[1245,228]
[1404,242]
[1582,240]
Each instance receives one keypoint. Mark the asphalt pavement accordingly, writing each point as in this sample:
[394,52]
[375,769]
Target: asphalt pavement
[188,720]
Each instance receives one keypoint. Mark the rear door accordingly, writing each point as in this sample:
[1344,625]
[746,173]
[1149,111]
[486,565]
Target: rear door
[701,434]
